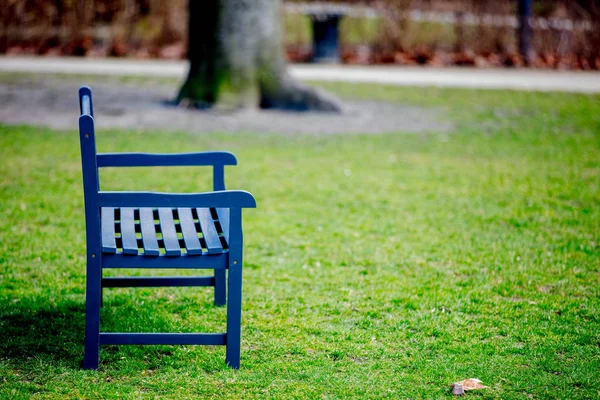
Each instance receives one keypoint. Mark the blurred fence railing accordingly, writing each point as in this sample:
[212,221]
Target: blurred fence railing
[457,17]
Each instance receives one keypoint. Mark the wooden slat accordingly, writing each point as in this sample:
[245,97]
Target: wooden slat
[167,226]
[224,198]
[190,236]
[209,231]
[158,281]
[218,158]
[223,214]
[217,261]
[214,339]
[109,244]
[128,231]
[148,232]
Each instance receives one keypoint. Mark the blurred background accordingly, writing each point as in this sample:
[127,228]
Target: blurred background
[565,34]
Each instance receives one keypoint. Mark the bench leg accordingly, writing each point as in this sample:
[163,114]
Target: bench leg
[234,314]
[326,47]
[101,290]
[220,287]
[93,295]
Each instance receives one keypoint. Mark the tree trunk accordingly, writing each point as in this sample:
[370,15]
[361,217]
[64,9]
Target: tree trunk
[237,59]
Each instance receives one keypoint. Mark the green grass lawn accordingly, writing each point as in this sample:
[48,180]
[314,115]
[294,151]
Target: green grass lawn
[376,265]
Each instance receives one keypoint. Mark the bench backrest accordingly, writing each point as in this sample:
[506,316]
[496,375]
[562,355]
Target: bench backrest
[91,184]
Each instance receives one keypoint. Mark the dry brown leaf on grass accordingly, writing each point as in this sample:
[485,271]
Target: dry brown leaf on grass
[459,388]
[473,383]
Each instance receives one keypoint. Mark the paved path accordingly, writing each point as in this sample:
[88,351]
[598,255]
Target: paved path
[140,107]
[519,79]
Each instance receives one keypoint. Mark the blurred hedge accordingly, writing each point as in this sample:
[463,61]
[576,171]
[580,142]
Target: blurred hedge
[157,28]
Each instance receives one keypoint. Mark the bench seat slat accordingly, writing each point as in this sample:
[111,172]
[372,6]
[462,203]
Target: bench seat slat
[207,224]
[173,246]
[190,236]
[109,244]
[167,226]
[130,245]
[148,232]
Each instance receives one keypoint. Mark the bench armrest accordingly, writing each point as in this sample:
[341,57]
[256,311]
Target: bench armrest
[218,199]
[205,158]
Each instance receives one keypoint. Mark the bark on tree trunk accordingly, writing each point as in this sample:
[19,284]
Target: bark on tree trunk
[237,60]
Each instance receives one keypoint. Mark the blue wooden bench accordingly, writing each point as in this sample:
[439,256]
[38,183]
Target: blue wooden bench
[160,230]
[326,18]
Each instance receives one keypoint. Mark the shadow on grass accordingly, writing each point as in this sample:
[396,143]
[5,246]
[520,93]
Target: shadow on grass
[32,331]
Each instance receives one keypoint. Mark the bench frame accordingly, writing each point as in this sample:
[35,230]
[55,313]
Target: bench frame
[228,285]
